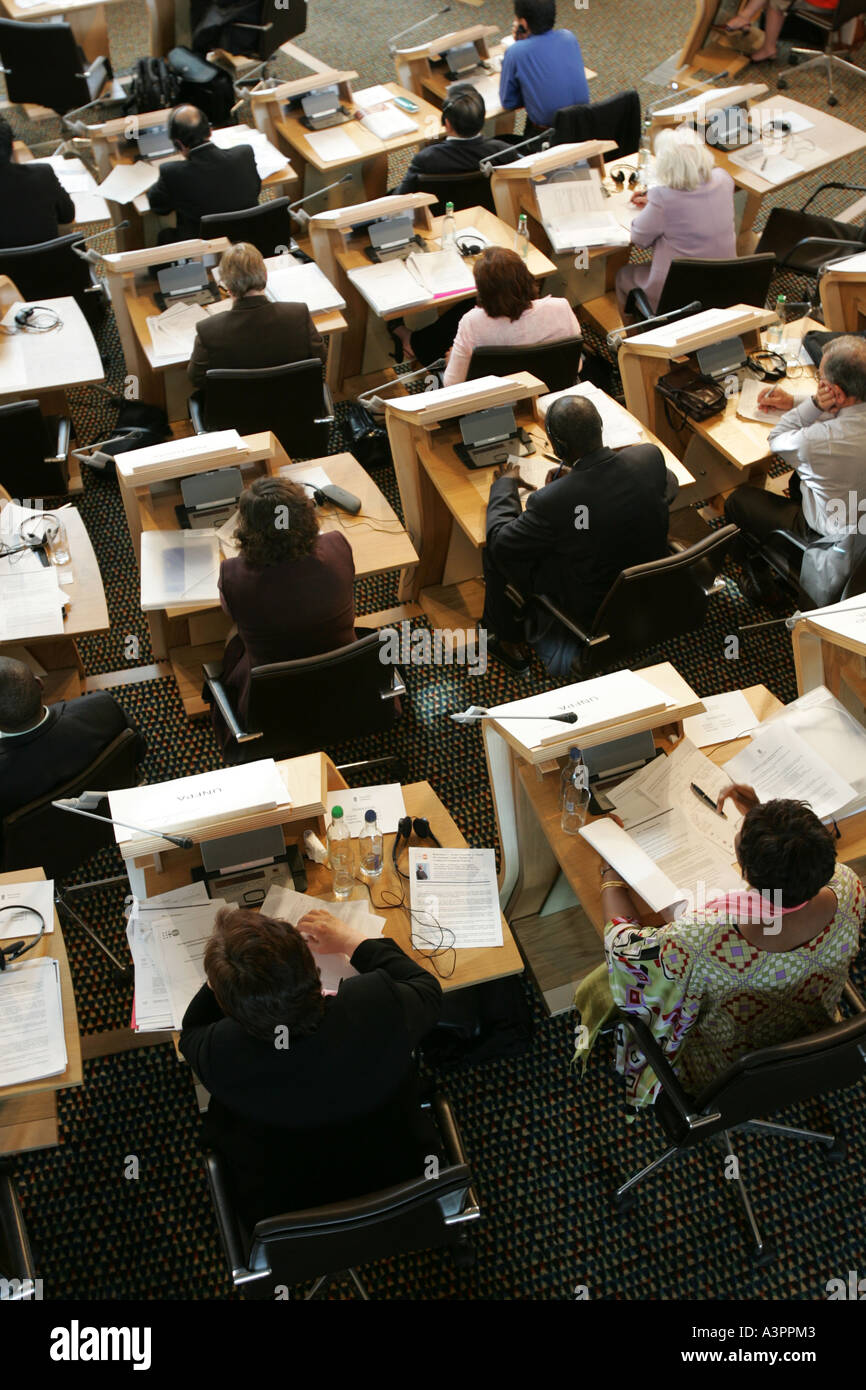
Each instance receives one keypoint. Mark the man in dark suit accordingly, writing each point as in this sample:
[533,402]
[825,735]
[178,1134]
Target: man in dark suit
[464,145]
[33,202]
[600,512]
[255,332]
[44,746]
[206,180]
[313,1098]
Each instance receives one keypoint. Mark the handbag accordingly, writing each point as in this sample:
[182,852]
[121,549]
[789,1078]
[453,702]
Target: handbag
[366,439]
[691,394]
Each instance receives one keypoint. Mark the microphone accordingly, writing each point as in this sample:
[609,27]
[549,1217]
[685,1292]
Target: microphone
[374,401]
[619,335]
[486,165]
[303,218]
[78,806]
[392,42]
[91,256]
[475,712]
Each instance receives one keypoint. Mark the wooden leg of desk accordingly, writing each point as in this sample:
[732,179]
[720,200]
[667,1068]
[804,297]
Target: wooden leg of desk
[808,658]
[746,237]
[90,28]
[29,1122]
[161,28]
[374,174]
[432,543]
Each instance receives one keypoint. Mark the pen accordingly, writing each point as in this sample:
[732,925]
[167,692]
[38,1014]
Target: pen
[707,800]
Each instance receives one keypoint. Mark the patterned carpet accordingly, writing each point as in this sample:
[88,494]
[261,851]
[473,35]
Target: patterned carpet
[546,1151]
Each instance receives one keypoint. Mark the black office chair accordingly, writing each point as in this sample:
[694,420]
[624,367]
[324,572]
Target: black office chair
[51,270]
[233,29]
[265,226]
[828,22]
[468,190]
[556,364]
[45,67]
[292,400]
[784,551]
[761,1083]
[714,284]
[616,118]
[420,1214]
[297,707]
[34,450]
[645,606]
[17,1268]
[803,242]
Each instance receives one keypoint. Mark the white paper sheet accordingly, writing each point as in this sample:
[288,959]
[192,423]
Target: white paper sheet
[389,287]
[39,895]
[186,803]
[634,866]
[387,801]
[726,717]
[389,123]
[778,763]
[442,273]
[292,283]
[288,906]
[31,605]
[180,938]
[90,205]
[620,428]
[32,1044]
[454,898]
[764,160]
[573,214]
[597,702]
[127,181]
[370,97]
[667,781]
[269,160]
[333,145]
[179,569]
[153,1009]
[747,401]
[310,476]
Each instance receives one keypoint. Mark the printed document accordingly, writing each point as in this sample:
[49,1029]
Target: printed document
[387,801]
[127,181]
[31,605]
[32,1044]
[38,895]
[725,717]
[454,898]
[288,906]
[779,763]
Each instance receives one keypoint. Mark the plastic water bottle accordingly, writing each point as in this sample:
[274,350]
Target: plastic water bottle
[521,236]
[448,235]
[574,793]
[370,844]
[776,331]
[340,854]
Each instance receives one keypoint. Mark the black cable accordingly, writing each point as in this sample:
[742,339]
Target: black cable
[434,952]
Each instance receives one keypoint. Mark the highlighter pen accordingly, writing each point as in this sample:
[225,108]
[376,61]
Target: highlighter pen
[707,800]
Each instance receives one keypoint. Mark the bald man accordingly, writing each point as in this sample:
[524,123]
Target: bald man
[206,180]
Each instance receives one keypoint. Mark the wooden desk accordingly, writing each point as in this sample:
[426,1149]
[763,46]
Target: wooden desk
[89,23]
[825,657]
[64,675]
[28,1111]
[155,868]
[188,636]
[370,164]
[46,364]
[843,295]
[706,52]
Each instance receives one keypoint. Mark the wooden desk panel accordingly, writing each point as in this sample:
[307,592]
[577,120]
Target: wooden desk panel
[33,364]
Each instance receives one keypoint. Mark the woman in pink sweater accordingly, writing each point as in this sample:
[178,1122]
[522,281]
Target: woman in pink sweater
[507,313]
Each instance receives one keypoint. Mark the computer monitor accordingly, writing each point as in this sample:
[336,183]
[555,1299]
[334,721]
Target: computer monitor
[323,102]
[490,426]
[391,232]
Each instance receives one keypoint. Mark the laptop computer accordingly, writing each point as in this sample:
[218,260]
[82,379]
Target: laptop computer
[184,282]
[322,109]
[490,436]
[461,60]
[209,499]
[241,868]
[154,142]
[392,239]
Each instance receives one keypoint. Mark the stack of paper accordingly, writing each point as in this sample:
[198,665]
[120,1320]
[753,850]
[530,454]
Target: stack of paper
[194,802]
[765,160]
[198,446]
[389,288]
[389,123]
[442,273]
[90,205]
[309,476]
[286,905]
[573,214]
[598,703]
[372,98]
[31,605]
[747,401]
[268,158]
[179,569]
[32,1044]
[454,898]
[172,332]
[290,282]
[38,895]
[167,938]
[387,801]
[333,146]
[127,181]
[619,427]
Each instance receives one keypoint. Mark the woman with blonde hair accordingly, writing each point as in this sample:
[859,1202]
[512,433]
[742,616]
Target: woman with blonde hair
[689,213]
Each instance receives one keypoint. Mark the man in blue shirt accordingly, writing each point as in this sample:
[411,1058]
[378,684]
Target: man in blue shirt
[543,70]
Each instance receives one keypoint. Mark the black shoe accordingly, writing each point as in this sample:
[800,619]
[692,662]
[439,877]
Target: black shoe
[760,588]
[399,349]
[519,665]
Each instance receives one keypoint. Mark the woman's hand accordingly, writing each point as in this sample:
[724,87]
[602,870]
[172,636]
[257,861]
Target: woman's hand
[639,198]
[329,935]
[774,398]
[743,797]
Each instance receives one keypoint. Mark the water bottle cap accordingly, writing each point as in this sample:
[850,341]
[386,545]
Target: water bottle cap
[336,813]
[369,815]
[574,754]
[449,208]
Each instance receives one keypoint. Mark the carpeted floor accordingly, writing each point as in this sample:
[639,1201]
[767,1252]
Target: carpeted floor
[546,1151]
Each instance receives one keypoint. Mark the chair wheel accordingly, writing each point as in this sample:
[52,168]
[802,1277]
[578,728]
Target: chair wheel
[782,84]
[764,1256]
[838,1153]
[625,1202]
[832,101]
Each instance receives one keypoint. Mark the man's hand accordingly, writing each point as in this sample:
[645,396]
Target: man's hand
[828,398]
[329,935]
[519,29]
[743,797]
[774,398]
[511,469]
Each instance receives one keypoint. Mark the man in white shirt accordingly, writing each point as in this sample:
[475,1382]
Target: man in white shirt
[824,440]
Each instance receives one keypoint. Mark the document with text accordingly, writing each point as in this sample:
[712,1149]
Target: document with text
[454,898]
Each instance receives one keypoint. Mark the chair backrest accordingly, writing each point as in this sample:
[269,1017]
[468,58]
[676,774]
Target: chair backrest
[48,270]
[319,701]
[265,226]
[785,227]
[40,834]
[287,400]
[826,15]
[556,364]
[616,118]
[25,469]
[16,1257]
[43,63]
[470,190]
[718,284]
[239,31]
[789,1073]
[648,604]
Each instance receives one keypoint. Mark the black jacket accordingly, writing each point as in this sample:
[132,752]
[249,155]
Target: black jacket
[73,735]
[32,203]
[208,180]
[335,1114]
[451,157]
[255,332]
[574,555]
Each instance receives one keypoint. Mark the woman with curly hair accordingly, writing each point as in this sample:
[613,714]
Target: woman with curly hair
[289,591]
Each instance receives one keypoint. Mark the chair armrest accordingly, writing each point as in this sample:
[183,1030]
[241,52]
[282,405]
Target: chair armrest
[641,304]
[64,439]
[196,412]
[214,684]
[787,538]
[568,622]
[681,1102]
[828,247]
[845,187]
[329,406]
[230,1233]
[854,998]
[396,688]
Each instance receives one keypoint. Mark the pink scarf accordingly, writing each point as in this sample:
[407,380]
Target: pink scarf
[751,905]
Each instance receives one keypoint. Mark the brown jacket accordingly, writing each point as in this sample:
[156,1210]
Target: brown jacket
[254,333]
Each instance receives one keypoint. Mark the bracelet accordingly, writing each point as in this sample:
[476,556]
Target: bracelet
[613,883]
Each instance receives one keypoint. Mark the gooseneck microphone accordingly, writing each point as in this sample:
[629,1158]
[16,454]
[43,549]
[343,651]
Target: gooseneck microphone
[78,804]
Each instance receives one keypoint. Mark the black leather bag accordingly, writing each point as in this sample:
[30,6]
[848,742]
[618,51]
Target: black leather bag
[204,85]
[691,395]
[365,438]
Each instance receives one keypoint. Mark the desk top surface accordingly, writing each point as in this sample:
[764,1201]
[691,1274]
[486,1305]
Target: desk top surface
[65,356]
[52,944]
[828,139]
[88,611]
[428,119]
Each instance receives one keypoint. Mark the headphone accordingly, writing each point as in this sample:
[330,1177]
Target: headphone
[768,366]
[405,826]
[15,949]
[619,179]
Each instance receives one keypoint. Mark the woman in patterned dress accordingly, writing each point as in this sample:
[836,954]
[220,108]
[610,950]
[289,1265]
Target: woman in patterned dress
[754,968]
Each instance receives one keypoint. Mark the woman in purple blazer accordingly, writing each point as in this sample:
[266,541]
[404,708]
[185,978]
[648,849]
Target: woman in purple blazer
[689,213]
[289,590]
